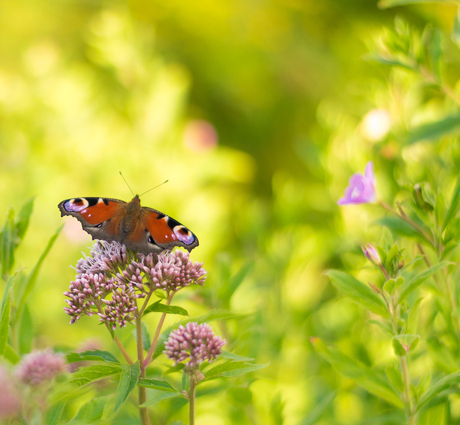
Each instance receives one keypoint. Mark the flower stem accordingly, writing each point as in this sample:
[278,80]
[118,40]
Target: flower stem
[148,359]
[404,217]
[191,402]
[143,413]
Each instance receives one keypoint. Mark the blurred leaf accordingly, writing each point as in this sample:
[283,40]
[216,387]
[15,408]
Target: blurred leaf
[448,249]
[383,4]
[276,409]
[453,206]
[157,307]
[235,357]
[381,325]
[25,332]
[389,61]
[86,375]
[5,323]
[22,221]
[373,381]
[54,412]
[441,385]
[11,355]
[416,281]
[29,282]
[435,130]
[155,396]
[400,227]
[361,294]
[313,417]
[440,209]
[395,377]
[415,260]
[231,369]
[227,290]
[8,244]
[413,313]
[156,384]
[146,340]
[104,356]
[456,28]
[441,356]
[128,381]
[435,51]
[92,411]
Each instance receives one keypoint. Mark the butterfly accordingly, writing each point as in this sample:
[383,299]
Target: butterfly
[141,229]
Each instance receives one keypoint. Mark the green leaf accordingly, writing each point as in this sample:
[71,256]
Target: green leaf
[157,307]
[415,260]
[128,381]
[235,357]
[381,325]
[276,408]
[22,221]
[400,227]
[29,283]
[313,417]
[226,291]
[402,344]
[453,206]
[391,61]
[146,340]
[395,377]
[434,390]
[104,356]
[155,396]
[25,332]
[383,4]
[435,130]
[156,384]
[8,244]
[456,28]
[11,355]
[86,375]
[231,369]
[441,356]
[5,319]
[53,414]
[92,411]
[361,294]
[416,281]
[373,381]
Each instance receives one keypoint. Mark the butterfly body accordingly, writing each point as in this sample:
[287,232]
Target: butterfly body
[141,229]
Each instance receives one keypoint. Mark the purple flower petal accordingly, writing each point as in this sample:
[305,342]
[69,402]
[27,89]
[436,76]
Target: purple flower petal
[361,188]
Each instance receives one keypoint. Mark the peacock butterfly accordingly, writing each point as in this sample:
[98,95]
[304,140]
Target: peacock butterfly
[141,229]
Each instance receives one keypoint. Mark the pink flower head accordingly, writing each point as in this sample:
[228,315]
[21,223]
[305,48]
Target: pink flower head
[39,367]
[10,401]
[361,189]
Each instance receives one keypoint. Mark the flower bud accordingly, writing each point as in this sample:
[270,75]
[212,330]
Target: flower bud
[372,254]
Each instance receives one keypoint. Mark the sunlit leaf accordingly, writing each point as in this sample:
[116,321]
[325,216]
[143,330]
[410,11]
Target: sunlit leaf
[99,355]
[226,291]
[361,294]
[155,396]
[416,281]
[54,412]
[25,332]
[91,411]
[395,377]
[438,387]
[453,206]
[157,307]
[8,245]
[23,218]
[86,375]
[313,417]
[231,369]
[435,130]
[235,357]
[156,384]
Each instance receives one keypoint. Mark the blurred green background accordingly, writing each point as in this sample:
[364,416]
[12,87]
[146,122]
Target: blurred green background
[257,113]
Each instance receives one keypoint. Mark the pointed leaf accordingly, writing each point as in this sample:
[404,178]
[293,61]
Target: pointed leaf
[226,291]
[25,332]
[86,375]
[395,377]
[22,221]
[8,244]
[373,381]
[53,414]
[155,396]
[400,227]
[361,294]
[32,277]
[435,130]
[441,385]
[313,417]
[411,285]
[92,411]
[156,384]
[235,357]
[163,308]
[453,206]
[128,381]
[11,355]
[99,355]
[231,369]
[5,324]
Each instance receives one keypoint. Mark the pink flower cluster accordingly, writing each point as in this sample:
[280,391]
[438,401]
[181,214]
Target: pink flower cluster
[40,367]
[194,342]
[111,279]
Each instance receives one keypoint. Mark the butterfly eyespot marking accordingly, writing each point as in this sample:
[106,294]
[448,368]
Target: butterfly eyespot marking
[183,234]
[99,225]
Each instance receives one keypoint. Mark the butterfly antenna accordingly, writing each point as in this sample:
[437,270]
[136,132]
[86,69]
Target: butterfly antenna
[166,181]
[126,183]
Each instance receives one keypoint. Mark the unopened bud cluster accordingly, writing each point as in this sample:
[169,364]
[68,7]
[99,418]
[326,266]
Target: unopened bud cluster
[195,343]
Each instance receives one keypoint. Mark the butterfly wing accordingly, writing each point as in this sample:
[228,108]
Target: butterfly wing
[100,217]
[165,232]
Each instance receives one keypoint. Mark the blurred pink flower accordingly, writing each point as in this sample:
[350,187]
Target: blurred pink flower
[9,397]
[200,136]
[39,367]
[361,189]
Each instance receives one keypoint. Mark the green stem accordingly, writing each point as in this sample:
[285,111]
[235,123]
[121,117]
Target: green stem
[148,359]
[143,412]
[191,402]
[404,217]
